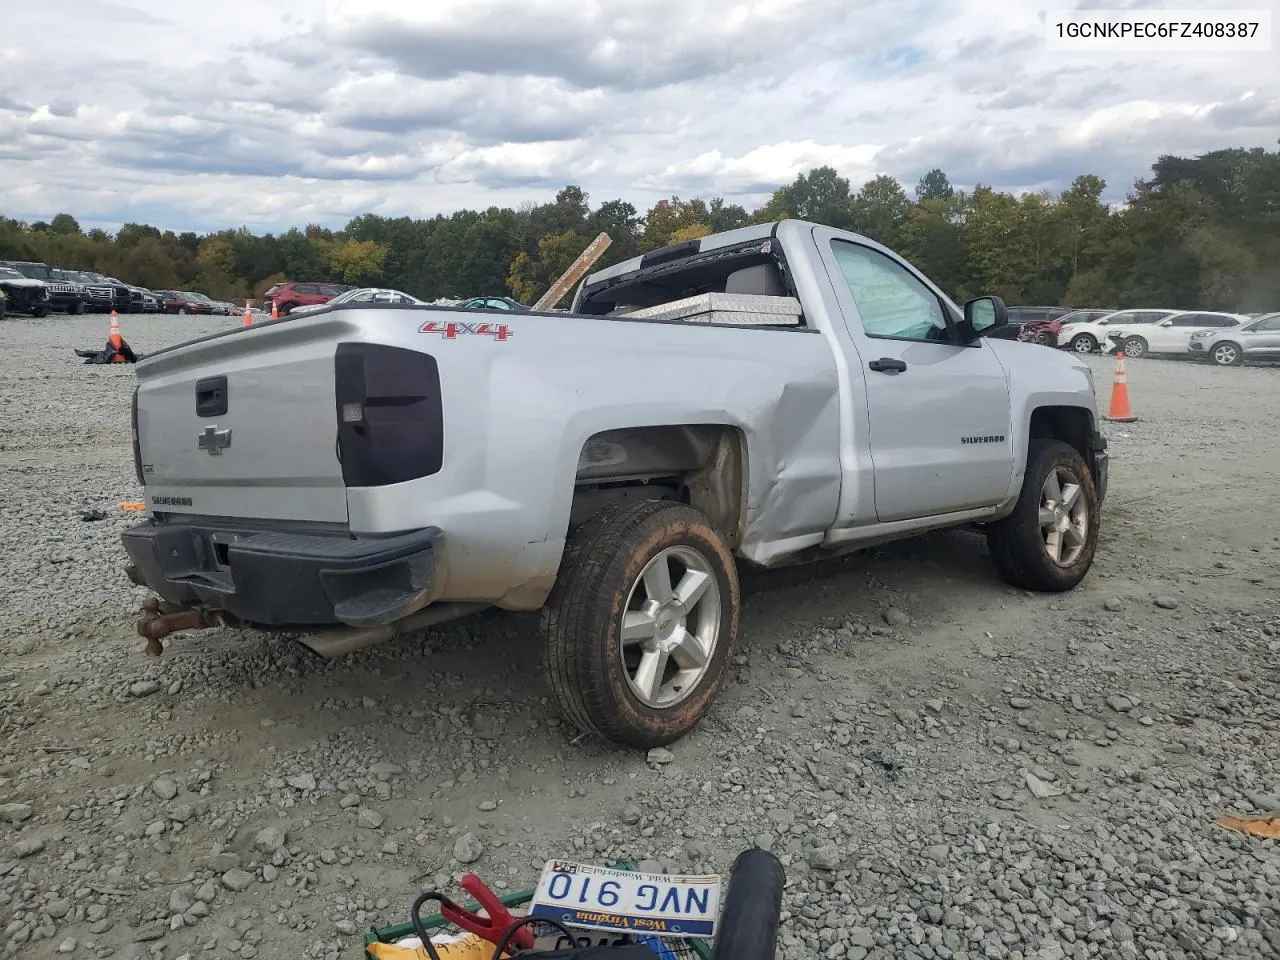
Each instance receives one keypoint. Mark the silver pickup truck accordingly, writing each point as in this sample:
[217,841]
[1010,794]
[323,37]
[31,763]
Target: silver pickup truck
[771,395]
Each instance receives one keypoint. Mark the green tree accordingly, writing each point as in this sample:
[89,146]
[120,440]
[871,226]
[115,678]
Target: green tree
[880,209]
[821,195]
[934,185]
[358,262]
[65,223]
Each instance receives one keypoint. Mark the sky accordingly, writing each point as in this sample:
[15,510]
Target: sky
[276,113]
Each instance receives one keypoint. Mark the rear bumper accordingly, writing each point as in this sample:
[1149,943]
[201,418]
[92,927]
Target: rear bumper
[286,579]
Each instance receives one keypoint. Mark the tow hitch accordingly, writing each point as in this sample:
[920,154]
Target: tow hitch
[154,625]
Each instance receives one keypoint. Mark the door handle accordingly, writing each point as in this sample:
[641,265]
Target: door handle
[888,365]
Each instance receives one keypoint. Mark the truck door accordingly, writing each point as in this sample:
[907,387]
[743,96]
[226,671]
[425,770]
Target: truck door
[937,411]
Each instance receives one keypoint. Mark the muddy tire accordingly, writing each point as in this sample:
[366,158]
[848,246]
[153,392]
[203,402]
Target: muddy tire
[1048,542]
[641,625]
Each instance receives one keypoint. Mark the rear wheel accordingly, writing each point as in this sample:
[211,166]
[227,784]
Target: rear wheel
[1084,343]
[642,622]
[1228,354]
[1135,348]
[1048,542]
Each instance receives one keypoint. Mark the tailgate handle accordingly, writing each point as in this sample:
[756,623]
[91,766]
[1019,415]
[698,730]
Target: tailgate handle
[211,397]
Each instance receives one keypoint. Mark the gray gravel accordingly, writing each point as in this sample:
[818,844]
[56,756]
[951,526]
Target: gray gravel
[947,768]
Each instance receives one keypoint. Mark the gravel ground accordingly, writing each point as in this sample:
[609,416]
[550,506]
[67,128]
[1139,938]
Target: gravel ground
[948,768]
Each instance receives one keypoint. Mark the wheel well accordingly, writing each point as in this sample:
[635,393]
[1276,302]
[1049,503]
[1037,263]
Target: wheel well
[1071,425]
[703,465]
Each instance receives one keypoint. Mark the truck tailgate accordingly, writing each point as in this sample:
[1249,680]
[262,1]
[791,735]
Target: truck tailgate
[244,425]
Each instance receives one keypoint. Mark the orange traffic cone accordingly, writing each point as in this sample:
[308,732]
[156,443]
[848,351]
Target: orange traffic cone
[1120,411]
[275,312]
[248,314]
[115,342]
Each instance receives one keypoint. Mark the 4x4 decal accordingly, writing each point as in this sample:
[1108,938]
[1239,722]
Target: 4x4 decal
[452,329]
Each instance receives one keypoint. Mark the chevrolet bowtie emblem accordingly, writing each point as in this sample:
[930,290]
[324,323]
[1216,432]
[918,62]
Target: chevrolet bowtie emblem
[214,440]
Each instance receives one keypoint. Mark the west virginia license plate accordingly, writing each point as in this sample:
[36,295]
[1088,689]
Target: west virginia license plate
[598,898]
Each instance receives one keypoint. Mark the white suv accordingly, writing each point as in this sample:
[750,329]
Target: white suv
[1087,337]
[1171,335]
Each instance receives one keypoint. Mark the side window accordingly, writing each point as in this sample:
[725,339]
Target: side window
[891,302]
[497,305]
[1192,320]
[1270,325]
[1222,322]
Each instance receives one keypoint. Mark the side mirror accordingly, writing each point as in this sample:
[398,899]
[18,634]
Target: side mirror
[1166,323]
[982,315]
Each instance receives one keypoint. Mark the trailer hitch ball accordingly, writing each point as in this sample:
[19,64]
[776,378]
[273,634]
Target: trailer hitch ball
[154,626]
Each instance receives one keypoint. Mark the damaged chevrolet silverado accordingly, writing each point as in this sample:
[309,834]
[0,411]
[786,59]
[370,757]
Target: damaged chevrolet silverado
[768,395]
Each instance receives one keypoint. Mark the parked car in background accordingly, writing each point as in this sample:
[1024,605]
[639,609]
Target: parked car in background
[24,294]
[1087,337]
[1255,340]
[493,303]
[366,295]
[104,294]
[1172,335]
[1045,332]
[213,307]
[1019,317]
[287,297]
[136,302]
[176,301]
[65,294]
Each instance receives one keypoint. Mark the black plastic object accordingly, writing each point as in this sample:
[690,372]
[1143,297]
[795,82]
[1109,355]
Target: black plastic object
[888,365]
[285,579]
[211,397]
[748,928]
[389,414]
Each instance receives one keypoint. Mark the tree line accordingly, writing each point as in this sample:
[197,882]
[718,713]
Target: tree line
[1198,233]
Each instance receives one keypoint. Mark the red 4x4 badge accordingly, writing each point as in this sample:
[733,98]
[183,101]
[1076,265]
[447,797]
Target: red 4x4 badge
[452,329]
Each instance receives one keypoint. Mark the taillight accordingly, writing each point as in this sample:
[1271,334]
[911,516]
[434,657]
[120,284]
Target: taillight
[137,445]
[389,412]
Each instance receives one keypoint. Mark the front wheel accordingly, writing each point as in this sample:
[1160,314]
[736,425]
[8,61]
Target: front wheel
[1135,348]
[1043,338]
[1048,542]
[1228,355]
[642,622]
[1084,343]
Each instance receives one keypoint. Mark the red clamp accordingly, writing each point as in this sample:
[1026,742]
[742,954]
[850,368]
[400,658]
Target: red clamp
[495,924]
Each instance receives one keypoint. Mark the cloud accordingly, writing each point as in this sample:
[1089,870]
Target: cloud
[273,113]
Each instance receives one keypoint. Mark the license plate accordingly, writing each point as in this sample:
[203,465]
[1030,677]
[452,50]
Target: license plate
[598,898]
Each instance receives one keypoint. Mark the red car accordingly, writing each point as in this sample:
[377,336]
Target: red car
[175,301]
[1046,331]
[285,296]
